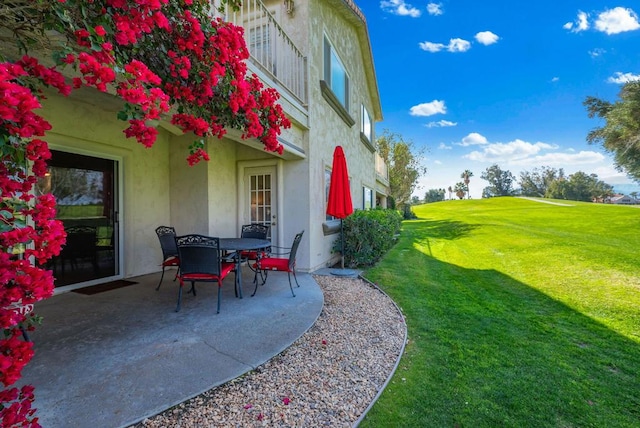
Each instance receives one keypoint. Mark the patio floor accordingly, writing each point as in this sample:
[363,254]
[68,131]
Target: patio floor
[113,358]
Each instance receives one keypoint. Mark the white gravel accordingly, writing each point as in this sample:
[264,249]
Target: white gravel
[328,377]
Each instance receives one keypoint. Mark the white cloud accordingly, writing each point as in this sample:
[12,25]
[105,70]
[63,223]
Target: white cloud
[562,160]
[487,38]
[428,109]
[555,79]
[473,139]
[431,47]
[435,9]
[443,146]
[437,162]
[511,152]
[440,124]
[617,20]
[595,53]
[581,23]
[458,45]
[621,78]
[399,7]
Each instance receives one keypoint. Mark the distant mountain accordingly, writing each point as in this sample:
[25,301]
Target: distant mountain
[626,189]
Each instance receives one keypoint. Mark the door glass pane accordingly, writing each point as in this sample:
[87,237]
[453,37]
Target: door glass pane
[260,198]
[84,189]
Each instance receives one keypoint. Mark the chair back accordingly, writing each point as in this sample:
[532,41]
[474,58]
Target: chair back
[294,250]
[255,230]
[81,241]
[167,237]
[199,254]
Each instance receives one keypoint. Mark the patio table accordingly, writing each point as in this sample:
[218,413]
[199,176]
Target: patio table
[242,244]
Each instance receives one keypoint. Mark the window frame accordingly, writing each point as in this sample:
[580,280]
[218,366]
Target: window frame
[338,98]
[367,196]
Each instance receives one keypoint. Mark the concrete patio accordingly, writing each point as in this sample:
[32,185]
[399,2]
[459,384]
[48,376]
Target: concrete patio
[113,358]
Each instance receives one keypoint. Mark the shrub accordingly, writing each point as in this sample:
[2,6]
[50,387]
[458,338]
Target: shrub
[368,235]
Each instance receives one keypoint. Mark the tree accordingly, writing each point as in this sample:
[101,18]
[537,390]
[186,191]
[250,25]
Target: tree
[621,133]
[403,163]
[536,182]
[434,195]
[450,190]
[460,188]
[501,182]
[580,187]
[466,175]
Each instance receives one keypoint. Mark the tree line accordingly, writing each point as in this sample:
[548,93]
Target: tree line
[544,182]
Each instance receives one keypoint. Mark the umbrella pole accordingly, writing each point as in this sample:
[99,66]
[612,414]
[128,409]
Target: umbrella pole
[341,244]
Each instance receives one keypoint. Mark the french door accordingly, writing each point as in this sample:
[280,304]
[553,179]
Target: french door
[260,198]
[86,193]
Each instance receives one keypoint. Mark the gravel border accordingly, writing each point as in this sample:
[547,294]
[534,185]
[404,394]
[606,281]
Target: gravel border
[331,376]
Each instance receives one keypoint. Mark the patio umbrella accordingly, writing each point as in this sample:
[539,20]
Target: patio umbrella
[339,203]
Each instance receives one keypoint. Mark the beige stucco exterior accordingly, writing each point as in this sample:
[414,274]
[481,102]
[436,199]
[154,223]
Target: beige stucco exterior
[157,186]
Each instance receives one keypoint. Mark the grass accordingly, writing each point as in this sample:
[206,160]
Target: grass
[519,313]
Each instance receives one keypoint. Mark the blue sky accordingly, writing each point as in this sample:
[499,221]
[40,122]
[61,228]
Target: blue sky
[478,83]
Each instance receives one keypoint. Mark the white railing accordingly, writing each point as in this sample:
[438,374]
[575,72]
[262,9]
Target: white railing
[381,168]
[271,49]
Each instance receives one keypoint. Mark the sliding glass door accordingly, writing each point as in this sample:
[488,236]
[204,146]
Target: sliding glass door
[85,188]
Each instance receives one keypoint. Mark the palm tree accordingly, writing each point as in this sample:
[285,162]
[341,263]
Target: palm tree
[466,175]
[460,189]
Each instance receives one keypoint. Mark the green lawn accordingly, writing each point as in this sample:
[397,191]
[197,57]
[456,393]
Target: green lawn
[520,314]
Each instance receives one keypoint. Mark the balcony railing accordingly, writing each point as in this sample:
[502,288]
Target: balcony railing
[381,168]
[271,49]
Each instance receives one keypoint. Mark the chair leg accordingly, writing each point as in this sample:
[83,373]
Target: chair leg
[179,298]
[290,287]
[219,297]
[296,278]
[161,276]
[255,281]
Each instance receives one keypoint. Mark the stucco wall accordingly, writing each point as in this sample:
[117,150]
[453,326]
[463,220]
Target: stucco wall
[328,129]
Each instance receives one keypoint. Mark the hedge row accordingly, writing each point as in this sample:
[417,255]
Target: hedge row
[368,235]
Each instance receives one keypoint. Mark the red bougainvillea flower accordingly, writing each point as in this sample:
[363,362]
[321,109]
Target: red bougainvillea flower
[286,401]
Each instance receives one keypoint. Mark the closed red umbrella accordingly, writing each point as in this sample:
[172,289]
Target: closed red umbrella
[339,203]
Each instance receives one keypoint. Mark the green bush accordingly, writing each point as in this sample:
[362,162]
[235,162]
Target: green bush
[407,213]
[368,235]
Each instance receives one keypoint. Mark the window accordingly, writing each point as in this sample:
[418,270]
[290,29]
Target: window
[336,75]
[327,184]
[365,123]
[367,198]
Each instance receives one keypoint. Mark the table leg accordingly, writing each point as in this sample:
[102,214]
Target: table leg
[239,275]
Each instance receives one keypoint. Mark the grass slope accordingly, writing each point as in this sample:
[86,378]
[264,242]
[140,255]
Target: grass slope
[520,314]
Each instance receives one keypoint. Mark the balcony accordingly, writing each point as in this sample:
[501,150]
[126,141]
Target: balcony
[382,171]
[272,51]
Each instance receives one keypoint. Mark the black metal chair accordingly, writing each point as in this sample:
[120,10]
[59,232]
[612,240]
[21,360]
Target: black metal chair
[167,237]
[258,231]
[282,264]
[201,261]
[80,246]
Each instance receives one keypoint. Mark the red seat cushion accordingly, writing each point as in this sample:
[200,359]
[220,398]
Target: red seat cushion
[272,263]
[251,255]
[171,261]
[195,277]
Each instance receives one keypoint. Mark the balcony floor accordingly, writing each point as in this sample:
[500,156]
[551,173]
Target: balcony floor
[113,358]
